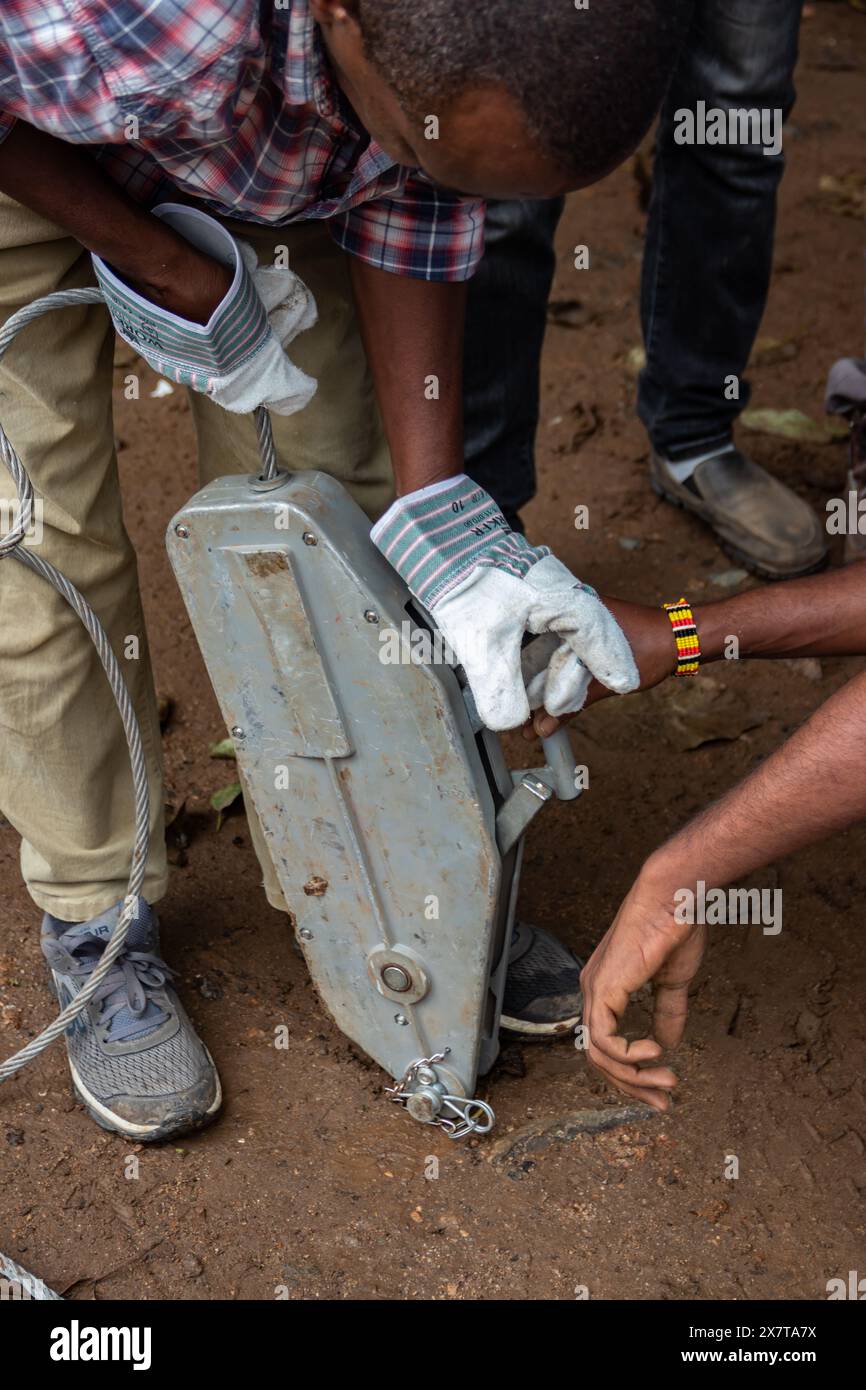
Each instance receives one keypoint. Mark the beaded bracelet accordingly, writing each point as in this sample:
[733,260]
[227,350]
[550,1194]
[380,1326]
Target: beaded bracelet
[685,636]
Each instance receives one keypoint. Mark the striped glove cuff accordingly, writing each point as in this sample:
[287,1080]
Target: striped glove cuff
[191,354]
[435,537]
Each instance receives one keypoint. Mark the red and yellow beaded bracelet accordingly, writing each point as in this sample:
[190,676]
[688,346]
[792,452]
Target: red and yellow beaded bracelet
[685,636]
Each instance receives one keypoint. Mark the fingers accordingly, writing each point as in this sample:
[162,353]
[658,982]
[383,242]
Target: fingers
[565,606]
[497,686]
[560,689]
[597,638]
[566,682]
[535,691]
[619,1063]
[653,1078]
[542,724]
[670,1012]
[557,692]
[659,1100]
[620,1050]
[627,1066]
[647,1083]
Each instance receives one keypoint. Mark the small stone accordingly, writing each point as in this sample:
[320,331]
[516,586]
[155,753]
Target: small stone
[715,1210]
[807,1027]
[728,579]
[510,1061]
[192,1266]
[207,989]
[164,709]
[809,667]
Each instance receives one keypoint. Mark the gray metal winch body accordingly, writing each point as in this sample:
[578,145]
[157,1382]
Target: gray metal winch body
[394,825]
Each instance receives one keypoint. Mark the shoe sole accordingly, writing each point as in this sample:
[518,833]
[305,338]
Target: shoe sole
[142,1134]
[524,1029]
[731,550]
[145,1134]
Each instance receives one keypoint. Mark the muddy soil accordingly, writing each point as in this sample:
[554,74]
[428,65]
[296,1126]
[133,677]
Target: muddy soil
[310,1183]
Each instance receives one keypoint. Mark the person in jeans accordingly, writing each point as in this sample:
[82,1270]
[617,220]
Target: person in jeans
[706,275]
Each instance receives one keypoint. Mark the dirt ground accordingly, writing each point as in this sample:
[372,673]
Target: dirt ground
[310,1182]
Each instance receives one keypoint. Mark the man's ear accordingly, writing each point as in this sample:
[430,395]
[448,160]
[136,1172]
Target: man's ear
[334,12]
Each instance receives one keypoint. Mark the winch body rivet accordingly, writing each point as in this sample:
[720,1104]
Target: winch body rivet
[396,978]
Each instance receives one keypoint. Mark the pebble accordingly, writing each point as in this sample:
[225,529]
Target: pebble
[207,989]
[727,579]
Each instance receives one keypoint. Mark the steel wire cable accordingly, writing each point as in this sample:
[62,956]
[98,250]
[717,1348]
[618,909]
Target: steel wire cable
[12,545]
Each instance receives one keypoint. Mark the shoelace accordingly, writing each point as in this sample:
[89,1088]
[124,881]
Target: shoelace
[126,986]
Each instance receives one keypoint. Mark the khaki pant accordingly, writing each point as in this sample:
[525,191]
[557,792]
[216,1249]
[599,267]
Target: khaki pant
[64,770]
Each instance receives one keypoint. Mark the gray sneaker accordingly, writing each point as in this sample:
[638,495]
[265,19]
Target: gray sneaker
[135,1059]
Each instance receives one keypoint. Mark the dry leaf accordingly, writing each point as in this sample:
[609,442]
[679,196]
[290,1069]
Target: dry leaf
[793,424]
[845,195]
[636,360]
[223,798]
[768,352]
[225,748]
[568,313]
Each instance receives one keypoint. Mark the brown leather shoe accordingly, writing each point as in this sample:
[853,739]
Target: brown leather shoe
[759,521]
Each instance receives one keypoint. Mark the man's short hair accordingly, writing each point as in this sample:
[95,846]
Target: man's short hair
[589,81]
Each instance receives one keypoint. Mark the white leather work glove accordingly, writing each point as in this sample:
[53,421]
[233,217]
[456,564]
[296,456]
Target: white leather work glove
[485,587]
[237,358]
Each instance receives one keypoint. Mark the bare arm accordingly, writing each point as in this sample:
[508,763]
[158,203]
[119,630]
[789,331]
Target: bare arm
[822,615]
[413,336]
[64,184]
[811,787]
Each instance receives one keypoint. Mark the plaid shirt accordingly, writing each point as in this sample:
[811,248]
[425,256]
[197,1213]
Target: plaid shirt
[231,102]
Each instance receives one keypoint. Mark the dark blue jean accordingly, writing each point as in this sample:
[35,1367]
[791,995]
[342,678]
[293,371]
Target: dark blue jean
[706,272]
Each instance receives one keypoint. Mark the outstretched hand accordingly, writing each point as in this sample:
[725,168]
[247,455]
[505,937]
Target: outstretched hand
[645,944]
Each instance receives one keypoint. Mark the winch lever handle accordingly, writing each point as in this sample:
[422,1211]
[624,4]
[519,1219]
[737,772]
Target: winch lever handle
[559,756]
